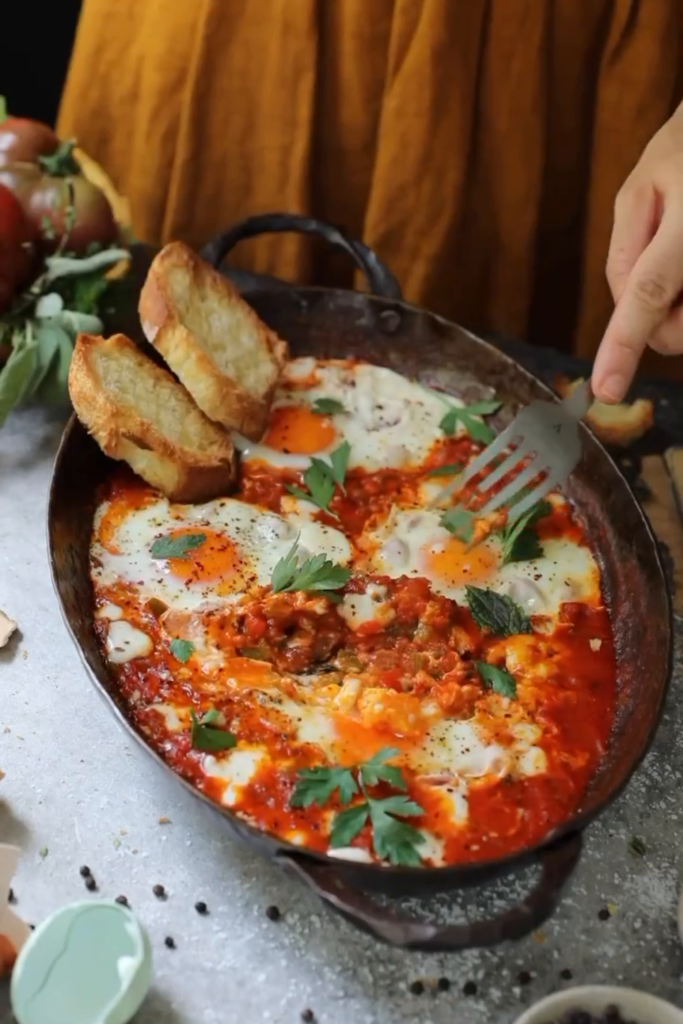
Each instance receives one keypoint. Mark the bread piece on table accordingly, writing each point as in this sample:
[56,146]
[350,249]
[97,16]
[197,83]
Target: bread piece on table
[137,411]
[618,425]
[213,341]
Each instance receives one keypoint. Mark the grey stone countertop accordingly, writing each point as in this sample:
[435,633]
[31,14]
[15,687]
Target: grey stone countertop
[77,787]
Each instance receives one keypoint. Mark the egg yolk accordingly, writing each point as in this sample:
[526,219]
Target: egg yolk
[216,558]
[453,564]
[296,428]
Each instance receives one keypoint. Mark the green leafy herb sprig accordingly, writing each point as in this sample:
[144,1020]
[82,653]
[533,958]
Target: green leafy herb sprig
[321,477]
[468,416]
[497,612]
[206,735]
[392,839]
[317,574]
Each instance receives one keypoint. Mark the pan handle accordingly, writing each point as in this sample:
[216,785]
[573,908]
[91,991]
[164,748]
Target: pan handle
[557,863]
[380,279]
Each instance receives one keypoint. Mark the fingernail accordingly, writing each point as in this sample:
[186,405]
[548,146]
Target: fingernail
[613,388]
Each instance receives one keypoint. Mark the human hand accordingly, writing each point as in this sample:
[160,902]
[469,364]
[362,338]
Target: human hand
[645,264]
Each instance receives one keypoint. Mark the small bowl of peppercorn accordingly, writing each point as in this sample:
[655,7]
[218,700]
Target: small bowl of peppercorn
[601,1004]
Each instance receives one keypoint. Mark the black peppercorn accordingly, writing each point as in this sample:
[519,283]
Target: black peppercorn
[170,942]
[603,914]
[11,898]
[90,884]
[469,989]
[201,907]
[159,892]
[417,988]
[123,900]
[443,984]
[273,913]
[523,977]
[566,974]
[85,871]
[307,1016]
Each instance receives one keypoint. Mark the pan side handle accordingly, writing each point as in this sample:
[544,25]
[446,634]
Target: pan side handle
[557,863]
[380,279]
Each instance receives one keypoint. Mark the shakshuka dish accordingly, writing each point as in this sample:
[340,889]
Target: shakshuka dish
[342,661]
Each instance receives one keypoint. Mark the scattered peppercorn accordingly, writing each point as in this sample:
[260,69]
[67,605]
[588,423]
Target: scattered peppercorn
[201,907]
[85,871]
[159,892]
[32,927]
[443,984]
[11,898]
[523,977]
[90,884]
[307,1016]
[169,941]
[273,913]
[603,914]
[123,900]
[417,988]
[469,988]
[566,974]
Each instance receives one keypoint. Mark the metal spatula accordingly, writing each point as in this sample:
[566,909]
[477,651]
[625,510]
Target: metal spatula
[547,433]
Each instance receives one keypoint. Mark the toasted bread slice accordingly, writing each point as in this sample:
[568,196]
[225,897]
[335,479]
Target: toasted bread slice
[137,412]
[213,341]
[617,425]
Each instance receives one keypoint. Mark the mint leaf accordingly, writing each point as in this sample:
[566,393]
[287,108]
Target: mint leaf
[449,469]
[317,785]
[465,415]
[459,522]
[497,679]
[496,612]
[205,735]
[347,824]
[328,406]
[520,542]
[176,547]
[181,649]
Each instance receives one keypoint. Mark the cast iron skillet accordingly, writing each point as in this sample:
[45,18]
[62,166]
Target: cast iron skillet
[383,329]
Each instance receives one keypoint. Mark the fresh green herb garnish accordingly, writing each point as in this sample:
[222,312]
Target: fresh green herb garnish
[315,574]
[477,430]
[520,541]
[206,735]
[176,547]
[496,612]
[321,477]
[393,840]
[181,649]
[450,469]
[497,679]
[328,406]
[637,846]
[460,522]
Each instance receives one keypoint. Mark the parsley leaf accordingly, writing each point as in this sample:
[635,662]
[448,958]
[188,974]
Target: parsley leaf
[315,574]
[181,649]
[459,522]
[176,547]
[497,679]
[496,612]
[328,406]
[449,469]
[395,840]
[317,785]
[321,477]
[465,415]
[520,543]
[348,823]
[206,735]
[375,770]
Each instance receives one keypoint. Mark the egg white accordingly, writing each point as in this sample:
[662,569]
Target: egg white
[260,537]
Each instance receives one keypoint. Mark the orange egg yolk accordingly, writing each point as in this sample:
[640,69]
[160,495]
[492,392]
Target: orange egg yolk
[454,565]
[296,428]
[216,558]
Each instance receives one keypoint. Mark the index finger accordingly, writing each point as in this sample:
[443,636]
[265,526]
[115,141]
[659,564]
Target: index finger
[652,287]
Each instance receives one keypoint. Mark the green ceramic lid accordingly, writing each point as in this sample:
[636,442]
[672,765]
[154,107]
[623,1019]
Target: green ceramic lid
[88,963]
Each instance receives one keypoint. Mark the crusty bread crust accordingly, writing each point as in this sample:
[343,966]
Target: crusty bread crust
[213,341]
[137,412]
[615,425]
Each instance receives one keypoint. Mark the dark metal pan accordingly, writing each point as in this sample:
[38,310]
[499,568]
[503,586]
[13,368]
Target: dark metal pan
[381,328]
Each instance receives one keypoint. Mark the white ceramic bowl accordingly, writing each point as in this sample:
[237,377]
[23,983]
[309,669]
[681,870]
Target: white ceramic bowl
[634,1005]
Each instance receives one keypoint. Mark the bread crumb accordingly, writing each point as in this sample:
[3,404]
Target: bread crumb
[163,820]
[617,425]
[7,628]
[596,644]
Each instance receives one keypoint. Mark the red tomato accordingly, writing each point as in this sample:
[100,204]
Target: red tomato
[62,204]
[23,139]
[16,247]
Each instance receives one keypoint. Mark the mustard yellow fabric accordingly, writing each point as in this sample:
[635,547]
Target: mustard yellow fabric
[477,145]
